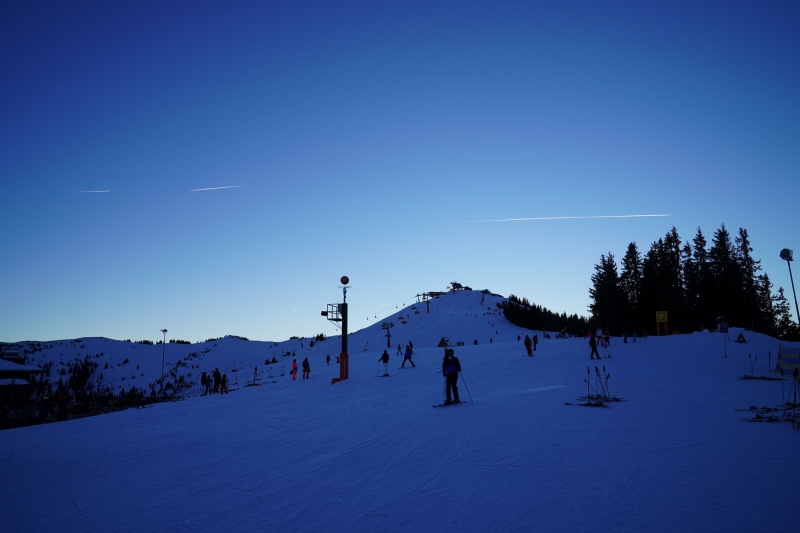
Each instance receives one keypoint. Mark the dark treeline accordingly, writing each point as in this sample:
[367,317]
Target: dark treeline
[522,313]
[693,283]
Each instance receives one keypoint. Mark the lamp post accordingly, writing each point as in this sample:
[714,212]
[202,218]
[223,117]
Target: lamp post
[786,254]
[338,313]
[163,350]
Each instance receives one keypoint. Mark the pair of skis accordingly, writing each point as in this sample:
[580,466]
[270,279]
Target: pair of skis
[448,404]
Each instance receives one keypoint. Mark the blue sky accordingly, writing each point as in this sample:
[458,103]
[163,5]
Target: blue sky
[366,139]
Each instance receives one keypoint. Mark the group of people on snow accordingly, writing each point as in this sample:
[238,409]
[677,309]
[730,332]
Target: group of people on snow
[530,344]
[214,383]
[384,358]
[306,368]
[598,338]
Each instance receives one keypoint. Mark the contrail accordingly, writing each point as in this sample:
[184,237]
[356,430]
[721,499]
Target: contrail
[216,188]
[568,218]
[109,190]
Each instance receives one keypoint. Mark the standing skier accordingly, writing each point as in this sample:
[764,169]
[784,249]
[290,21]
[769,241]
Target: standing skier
[604,344]
[385,358]
[407,357]
[294,368]
[306,368]
[204,383]
[535,341]
[217,378]
[593,345]
[451,366]
[528,346]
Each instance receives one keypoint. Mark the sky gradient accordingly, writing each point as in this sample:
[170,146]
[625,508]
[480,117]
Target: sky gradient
[252,153]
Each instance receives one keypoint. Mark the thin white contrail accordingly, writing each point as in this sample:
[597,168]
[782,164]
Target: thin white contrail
[109,190]
[216,188]
[569,218]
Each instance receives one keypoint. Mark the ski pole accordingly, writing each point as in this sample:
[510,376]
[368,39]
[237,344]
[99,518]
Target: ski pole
[597,383]
[444,392]
[465,386]
[605,383]
[599,377]
[596,379]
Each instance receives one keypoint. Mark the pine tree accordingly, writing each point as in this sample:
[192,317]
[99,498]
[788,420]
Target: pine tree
[605,294]
[748,292]
[697,275]
[726,277]
[630,282]
[764,303]
[786,328]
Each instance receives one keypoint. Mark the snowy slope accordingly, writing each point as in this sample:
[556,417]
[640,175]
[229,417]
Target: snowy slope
[370,454]
[124,364]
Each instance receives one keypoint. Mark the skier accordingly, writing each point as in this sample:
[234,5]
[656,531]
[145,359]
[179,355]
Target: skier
[407,357]
[328,360]
[306,368]
[217,377]
[385,358]
[451,366]
[223,384]
[535,341]
[204,383]
[294,368]
[593,345]
[399,350]
[604,343]
[528,346]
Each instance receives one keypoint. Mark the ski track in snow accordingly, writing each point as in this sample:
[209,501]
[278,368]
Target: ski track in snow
[371,455]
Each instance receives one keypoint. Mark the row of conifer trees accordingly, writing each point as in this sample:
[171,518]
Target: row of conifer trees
[694,283]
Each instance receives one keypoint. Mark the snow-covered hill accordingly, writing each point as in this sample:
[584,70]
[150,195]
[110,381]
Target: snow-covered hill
[370,454]
[131,364]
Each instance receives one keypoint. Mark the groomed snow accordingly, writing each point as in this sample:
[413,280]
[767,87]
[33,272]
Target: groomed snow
[370,454]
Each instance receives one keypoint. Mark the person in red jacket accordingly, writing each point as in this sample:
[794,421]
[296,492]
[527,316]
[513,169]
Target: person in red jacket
[294,368]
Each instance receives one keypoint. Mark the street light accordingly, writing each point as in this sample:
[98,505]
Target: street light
[163,349]
[786,254]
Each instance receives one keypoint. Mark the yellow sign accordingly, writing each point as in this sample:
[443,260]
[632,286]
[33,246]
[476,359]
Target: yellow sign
[661,316]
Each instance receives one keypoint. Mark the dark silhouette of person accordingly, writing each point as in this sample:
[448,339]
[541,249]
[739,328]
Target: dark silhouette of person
[451,366]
